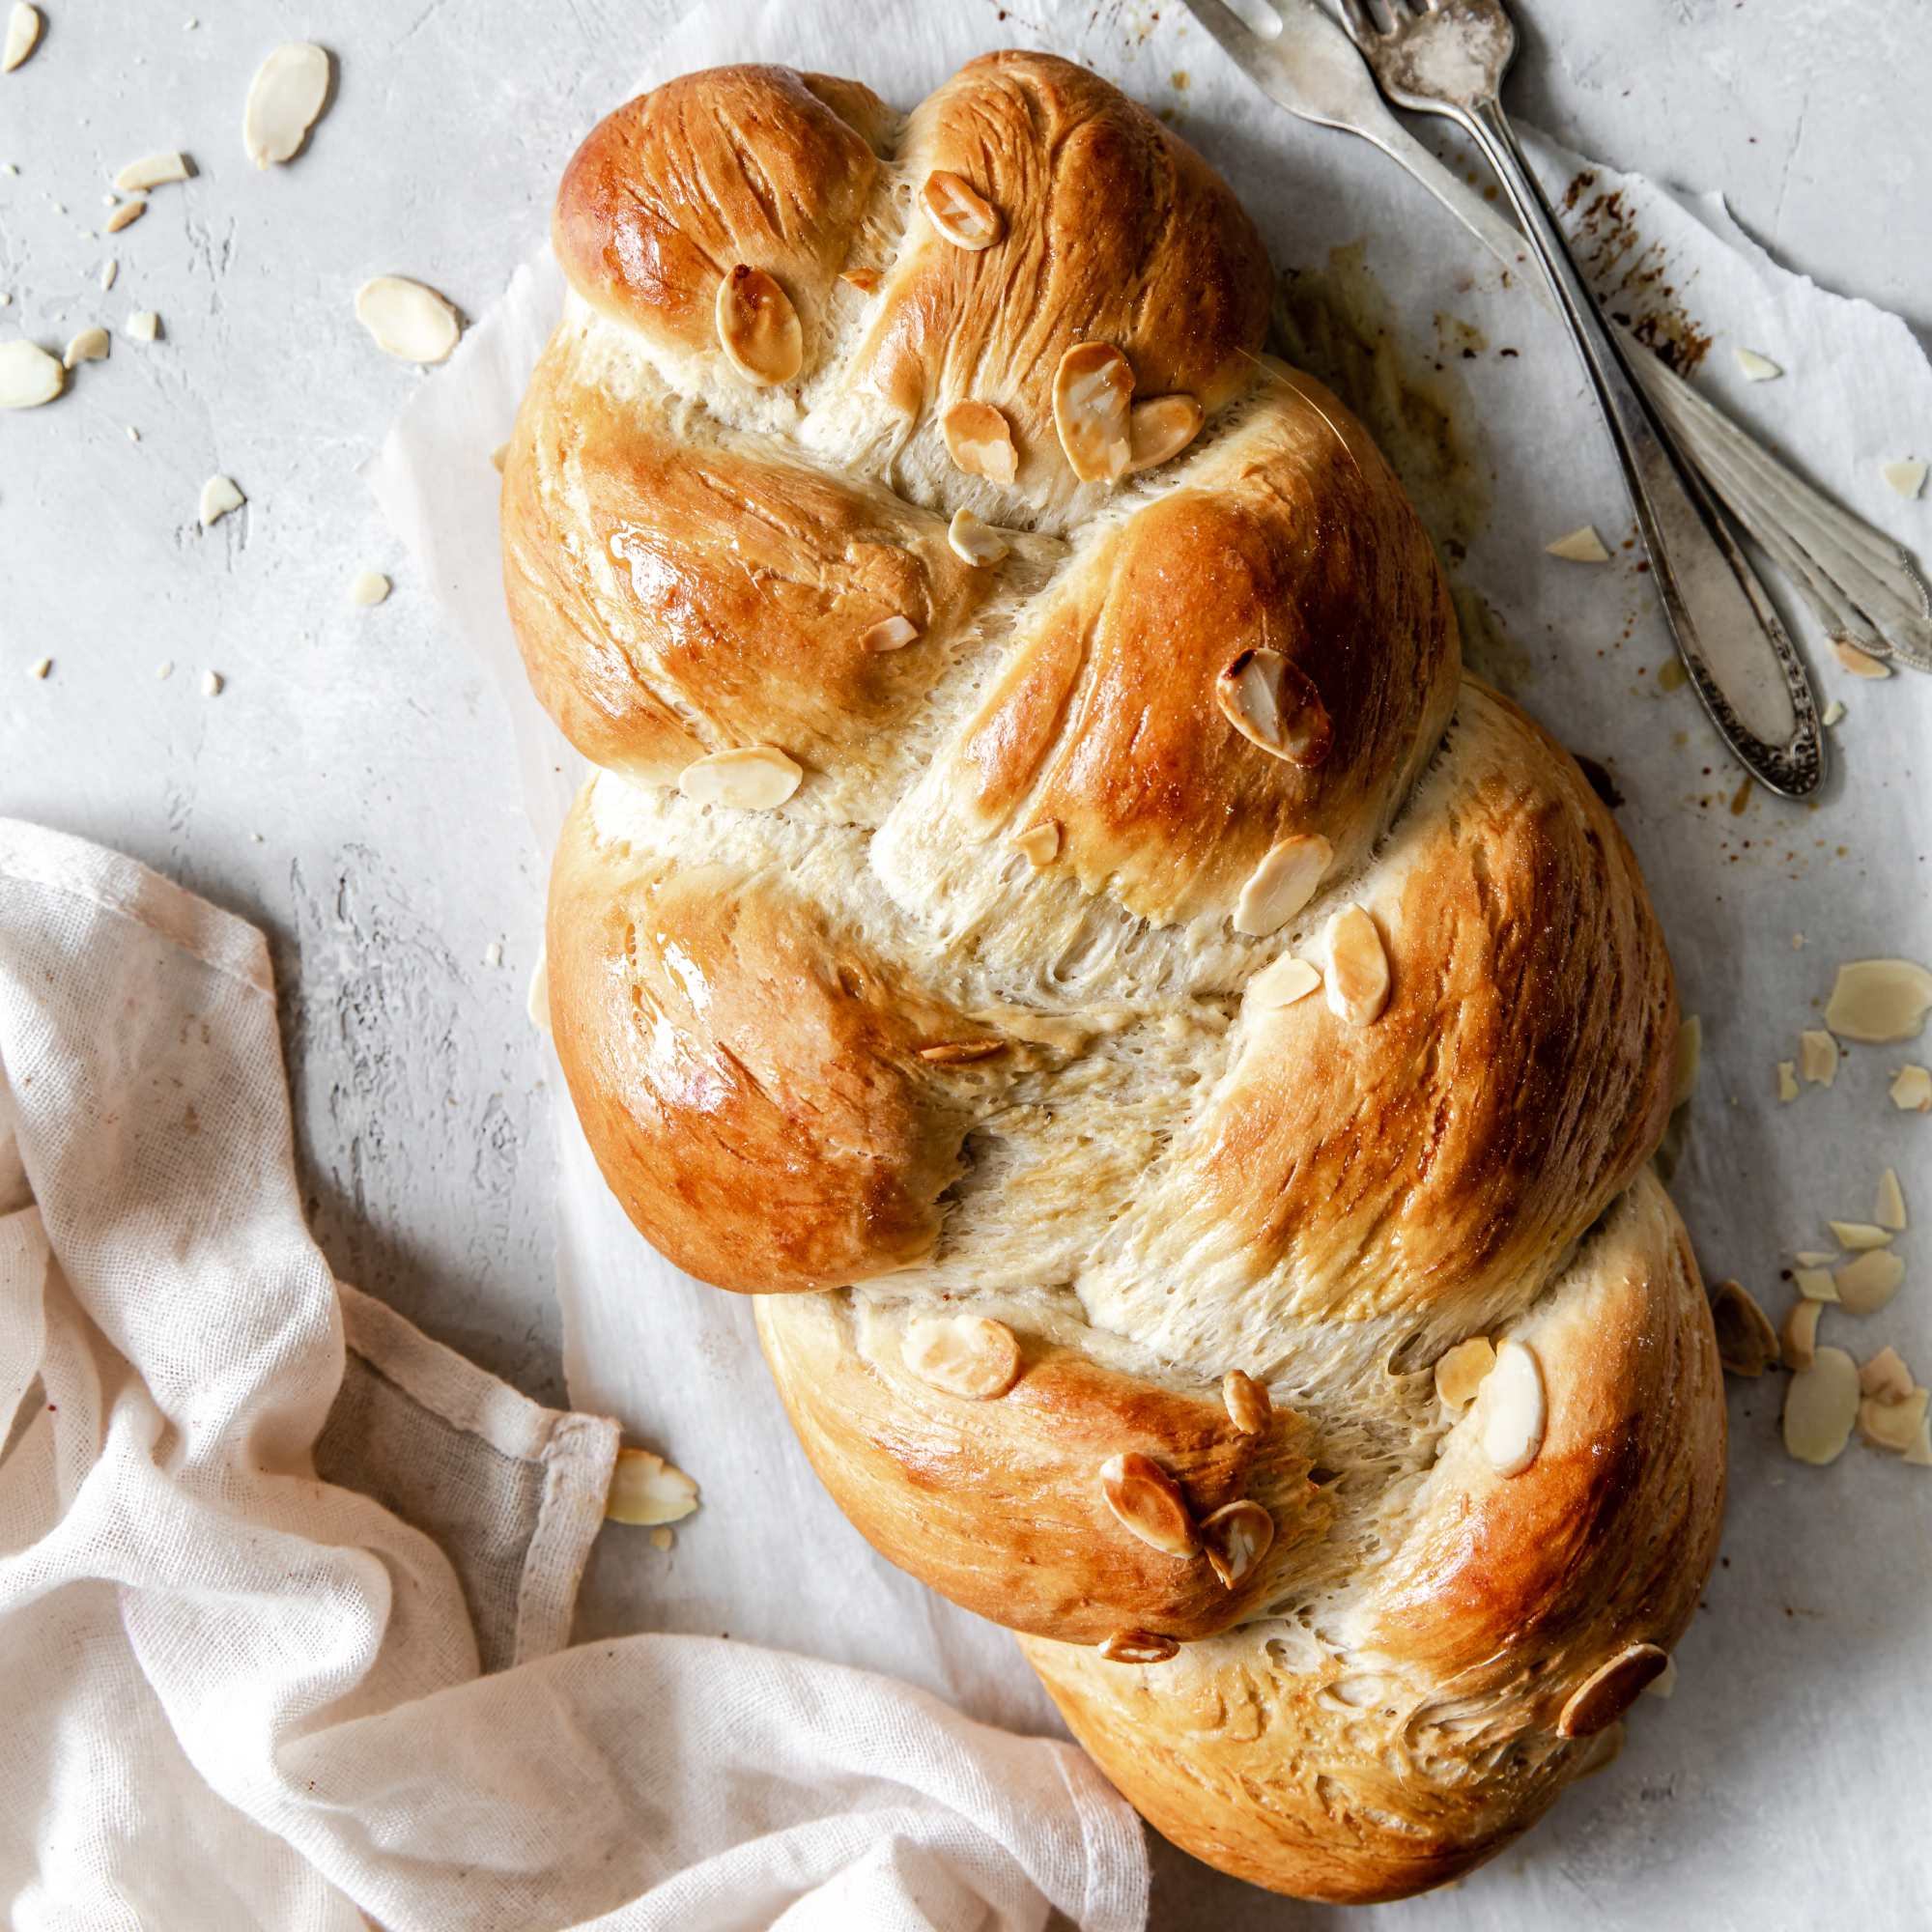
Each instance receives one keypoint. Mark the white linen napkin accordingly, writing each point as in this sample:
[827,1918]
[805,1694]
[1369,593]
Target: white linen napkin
[241,1690]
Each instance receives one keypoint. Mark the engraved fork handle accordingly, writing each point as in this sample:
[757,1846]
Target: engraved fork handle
[1716,608]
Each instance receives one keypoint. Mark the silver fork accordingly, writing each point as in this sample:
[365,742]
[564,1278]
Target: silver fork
[1448,57]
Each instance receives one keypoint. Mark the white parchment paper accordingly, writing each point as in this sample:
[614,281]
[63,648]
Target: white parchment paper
[1777,1786]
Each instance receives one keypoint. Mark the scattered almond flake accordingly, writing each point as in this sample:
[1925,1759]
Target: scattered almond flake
[1821,1405]
[1513,1409]
[1272,704]
[1664,1682]
[758,327]
[151,171]
[864,280]
[1818,1058]
[1236,1536]
[1919,1454]
[1159,429]
[1834,711]
[979,441]
[254,838]
[1673,675]
[1247,1403]
[1580,546]
[1138,1646]
[127,212]
[1742,799]
[1601,1752]
[754,777]
[5,299]
[1878,999]
[959,211]
[1747,1342]
[1147,1501]
[211,684]
[1857,1235]
[1282,884]
[1815,1284]
[536,1001]
[1039,842]
[1610,1690]
[645,1489]
[890,634]
[1756,368]
[960,1052]
[8,168]
[1690,1058]
[23,29]
[1798,1339]
[370,587]
[1886,1377]
[1358,969]
[91,344]
[1907,478]
[1893,1423]
[143,325]
[39,666]
[409,320]
[1091,391]
[1860,664]
[28,375]
[662,1537]
[493,955]
[110,199]
[218,496]
[973,541]
[1815,1258]
[1866,1285]
[1461,1373]
[499,456]
[1282,983]
[165,668]
[1787,1080]
[1912,1091]
[284,98]
[1889,1211]
[109,269]
[966,1356]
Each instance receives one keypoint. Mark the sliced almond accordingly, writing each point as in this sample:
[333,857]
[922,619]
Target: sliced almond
[1787,1081]
[1147,1501]
[1908,478]
[370,588]
[1859,1234]
[1911,1092]
[1821,1405]
[91,344]
[128,212]
[143,325]
[1893,1425]
[662,1537]
[1815,1284]
[889,634]
[1358,968]
[960,1052]
[1247,1402]
[1878,999]
[1867,1284]
[1919,1454]
[749,777]
[759,328]
[1270,702]
[1462,1371]
[1237,1538]
[1039,842]
[1602,1750]
[1756,368]
[1798,1339]
[28,375]
[1890,1209]
[213,684]
[1860,664]
[1159,429]
[975,541]
[959,211]
[536,1001]
[964,1355]
[151,171]
[1282,884]
[218,496]
[1092,394]
[979,441]
[1834,711]
[1690,1058]
[109,270]
[1513,1409]
[499,457]
[1664,1682]
[1747,1342]
[409,320]
[23,29]
[1580,546]
[1610,1690]
[864,280]
[1886,1377]
[645,1488]
[1138,1647]
[1818,1058]
[1816,1258]
[284,99]
[1281,984]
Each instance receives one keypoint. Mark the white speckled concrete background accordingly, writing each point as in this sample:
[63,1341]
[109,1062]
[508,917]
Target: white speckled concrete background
[366,747]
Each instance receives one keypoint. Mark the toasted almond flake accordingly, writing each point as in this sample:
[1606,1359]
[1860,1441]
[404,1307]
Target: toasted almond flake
[1690,1058]
[1798,1338]
[749,778]
[1462,1371]
[890,634]
[979,441]
[1138,1646]
[864,280]
[127,212]
[1147,1501]
[959,211]
[646,1488]
[1893,1423]
[1756,368]
[1787,1080]
[1818,1058]
[960,1052]
[28,375]
[1247,1403]
[973,541]
[1911,1092]
[1886,1377]
[1890,1209]
[218,496]
[1511,1409]
[409,320]
[1610,1690]
[143,325]
[1747,1342]
[1358,969]
[536,1001]
[1092,393]
[370,587]
[1834,711]
[1878,999]
[1857,1235]
[1821,1405]
[1039,842]
[91,344]
[212,684]
[1860,664]
[964,1355]
[39,666]
[759,328]
[1867,1284]
[151,171]
[23,29]
[1273,703]
[1282,884]
[1815,1284]
[662,1537]
[1287,981]
[1664,1682]
[284,99]
[109,269]
[1159,429]
[1236,1536]
[1908,478]
[1580,546]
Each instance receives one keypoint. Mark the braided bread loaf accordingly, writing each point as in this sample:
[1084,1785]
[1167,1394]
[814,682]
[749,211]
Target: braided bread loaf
[1175,1062]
